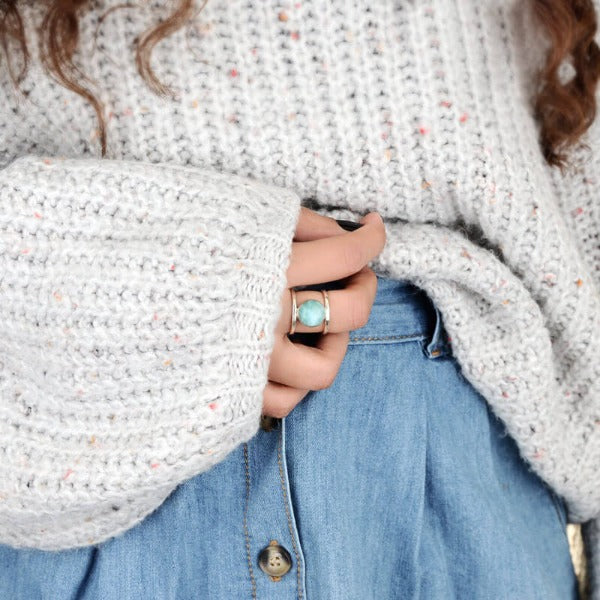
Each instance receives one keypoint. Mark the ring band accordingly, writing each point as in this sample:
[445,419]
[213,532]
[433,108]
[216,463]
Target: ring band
[296,311]
[326,302]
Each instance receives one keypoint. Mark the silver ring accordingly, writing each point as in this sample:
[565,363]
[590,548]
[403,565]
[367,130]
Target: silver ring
[326,302]
[296,312]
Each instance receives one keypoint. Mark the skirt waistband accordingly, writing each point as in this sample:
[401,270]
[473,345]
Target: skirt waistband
[401,311]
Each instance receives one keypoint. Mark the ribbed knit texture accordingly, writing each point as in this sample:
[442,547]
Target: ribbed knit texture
[132,348]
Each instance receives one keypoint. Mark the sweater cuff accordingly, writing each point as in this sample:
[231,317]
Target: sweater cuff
[138,304]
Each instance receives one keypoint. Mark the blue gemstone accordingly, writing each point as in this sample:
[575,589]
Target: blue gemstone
[311,313]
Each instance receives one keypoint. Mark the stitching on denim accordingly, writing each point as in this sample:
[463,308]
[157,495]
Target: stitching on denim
[289,519]
[246,535]
[385,337]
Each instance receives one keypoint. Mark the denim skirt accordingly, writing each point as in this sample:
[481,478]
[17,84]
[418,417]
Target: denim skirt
[397,481]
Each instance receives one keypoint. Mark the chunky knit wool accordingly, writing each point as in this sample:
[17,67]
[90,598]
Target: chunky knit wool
[139,293]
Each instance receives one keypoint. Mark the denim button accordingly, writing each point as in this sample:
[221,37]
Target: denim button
[275,560]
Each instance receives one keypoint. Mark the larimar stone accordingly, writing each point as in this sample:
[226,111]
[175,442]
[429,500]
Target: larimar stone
[311,313]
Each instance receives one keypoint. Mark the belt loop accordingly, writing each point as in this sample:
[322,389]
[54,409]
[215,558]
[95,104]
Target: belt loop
[438,346]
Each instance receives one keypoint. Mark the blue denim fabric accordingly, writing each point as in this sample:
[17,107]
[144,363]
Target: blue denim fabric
[397,481]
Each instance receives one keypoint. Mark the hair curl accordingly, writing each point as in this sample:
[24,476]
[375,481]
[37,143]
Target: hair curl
[563,109]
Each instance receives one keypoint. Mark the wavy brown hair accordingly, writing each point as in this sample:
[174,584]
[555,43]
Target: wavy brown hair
[564,110]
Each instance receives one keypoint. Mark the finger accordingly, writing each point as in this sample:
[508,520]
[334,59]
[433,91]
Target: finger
[336,257]
[308,367]
[279,400]
[349,308]
[313,226]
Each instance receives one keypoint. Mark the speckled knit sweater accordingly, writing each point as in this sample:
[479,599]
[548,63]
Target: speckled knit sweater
[139,292]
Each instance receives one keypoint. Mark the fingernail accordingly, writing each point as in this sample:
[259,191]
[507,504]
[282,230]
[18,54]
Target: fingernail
[348,225]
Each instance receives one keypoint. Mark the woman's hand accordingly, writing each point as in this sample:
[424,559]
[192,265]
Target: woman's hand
[321,252]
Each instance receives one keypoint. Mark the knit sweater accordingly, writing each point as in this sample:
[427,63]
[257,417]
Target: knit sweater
[139,292]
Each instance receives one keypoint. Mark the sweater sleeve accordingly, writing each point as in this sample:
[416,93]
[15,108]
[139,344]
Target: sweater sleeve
[138,304]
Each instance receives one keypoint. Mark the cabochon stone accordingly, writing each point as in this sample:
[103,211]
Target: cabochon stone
[311,313]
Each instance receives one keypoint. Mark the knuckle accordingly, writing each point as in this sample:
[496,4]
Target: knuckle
[280,411]
[280,408]
[380,233]
[383,238]
[359,315]
[370,288]
[353,257]
[326,376]
[371,276]
[286,403]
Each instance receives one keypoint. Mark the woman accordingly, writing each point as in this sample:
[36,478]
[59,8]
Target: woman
[435,439]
